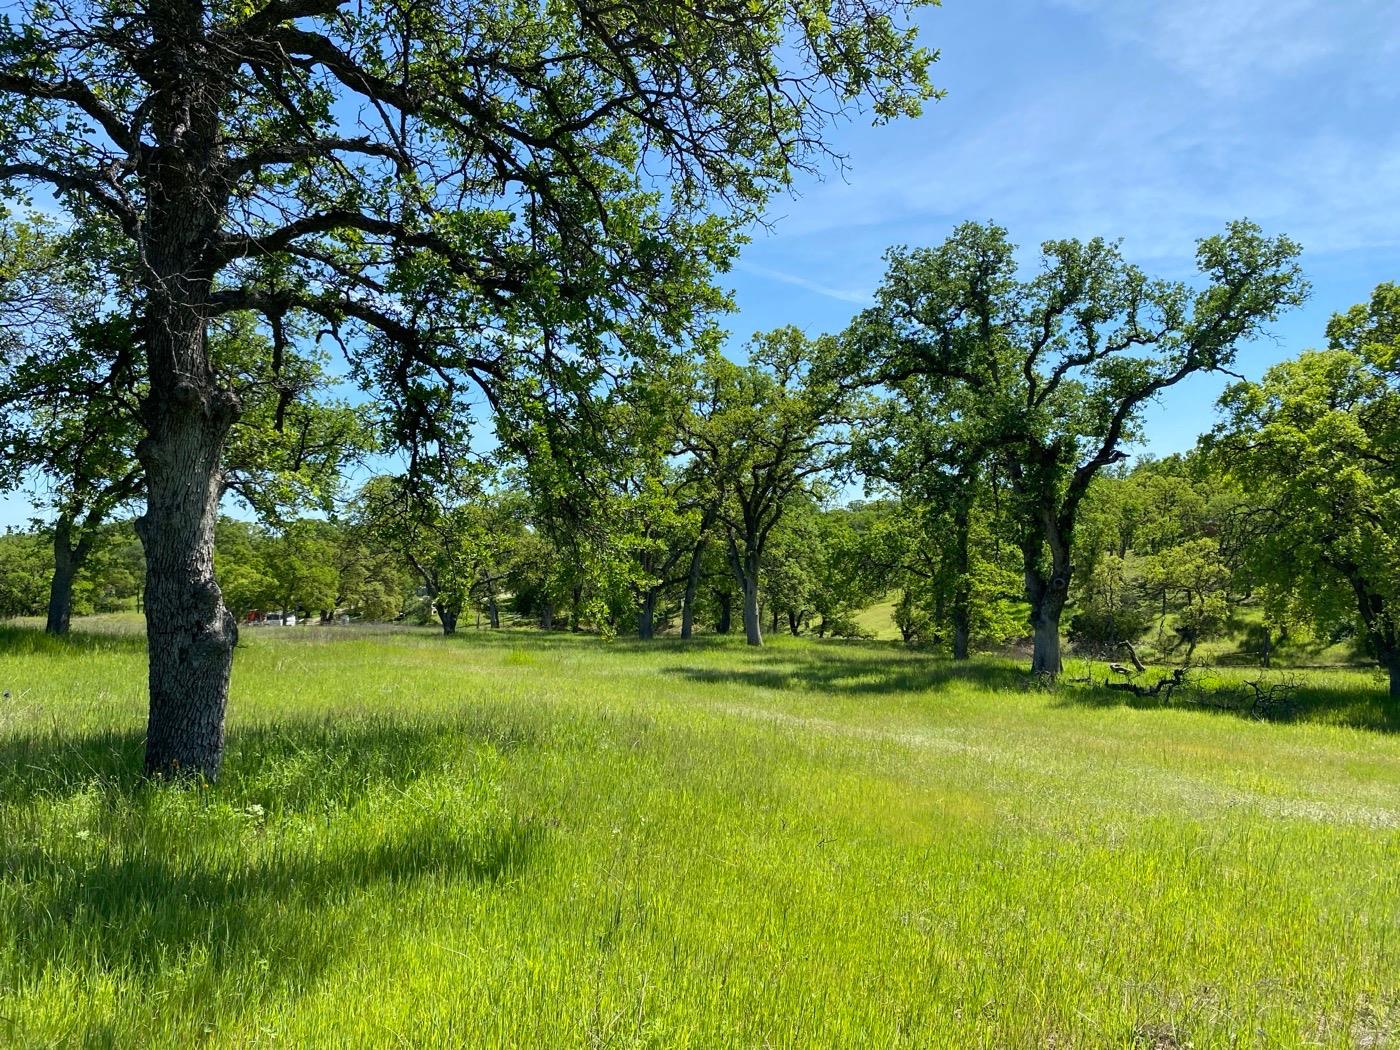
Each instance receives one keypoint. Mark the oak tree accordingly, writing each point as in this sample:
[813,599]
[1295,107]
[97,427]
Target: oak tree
[478,202]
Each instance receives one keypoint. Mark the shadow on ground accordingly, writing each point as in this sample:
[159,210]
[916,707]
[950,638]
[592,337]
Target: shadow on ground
[1354,706]
[22,640]
[103,873]
[855,671]
[290,765]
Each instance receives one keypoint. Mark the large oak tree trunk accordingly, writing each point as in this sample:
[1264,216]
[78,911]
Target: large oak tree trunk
[961,633]
[189,634]
[448,617]
[65,568]
[1046,657]
[1047,594]
[646,620]
[186,414]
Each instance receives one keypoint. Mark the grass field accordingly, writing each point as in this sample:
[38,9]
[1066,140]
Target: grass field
[525,840]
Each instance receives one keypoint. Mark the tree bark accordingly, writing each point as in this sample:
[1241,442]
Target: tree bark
[65,568]
[726,612]
[961,633]
[547,616]
[186,413]
[189,634]
[962,584]
[753,627]
[1047,595]
[794,622]
[692,585]
[493,611]
[1046,658]
[646,619]
[1394,667]
[448,617]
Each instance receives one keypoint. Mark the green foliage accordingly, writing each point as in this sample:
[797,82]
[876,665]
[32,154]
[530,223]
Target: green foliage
[1316,445]
[25,563]
[1043,378]
[764,434]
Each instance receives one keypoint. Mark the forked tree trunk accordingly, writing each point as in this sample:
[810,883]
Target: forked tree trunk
[1047,596]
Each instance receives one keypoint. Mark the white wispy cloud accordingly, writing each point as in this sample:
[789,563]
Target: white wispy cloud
[845,295]
[1170,121]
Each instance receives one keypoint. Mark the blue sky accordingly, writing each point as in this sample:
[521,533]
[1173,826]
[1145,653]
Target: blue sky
[1154,123]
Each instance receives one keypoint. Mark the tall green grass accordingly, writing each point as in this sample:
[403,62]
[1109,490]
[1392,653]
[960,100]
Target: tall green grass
[519,839]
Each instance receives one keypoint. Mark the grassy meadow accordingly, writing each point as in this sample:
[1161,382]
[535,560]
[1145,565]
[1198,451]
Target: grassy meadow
[519,839]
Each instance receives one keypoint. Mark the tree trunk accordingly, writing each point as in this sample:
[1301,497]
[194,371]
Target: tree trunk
[547,617]
[753,627]
[448,617]
[961,632]
[185,413]
[794,622]
[692,584]
[726,612]
[1046,659]
[773,621]
[493,612]
[962,585]
[1047,597]
[189,634]
[646,620]
[1394,668]
[1047,604]
[65,568]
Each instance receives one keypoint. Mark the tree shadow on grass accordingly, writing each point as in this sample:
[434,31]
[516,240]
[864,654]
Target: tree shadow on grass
[291,765]
[1354,706]
[21,640]
[163,919]
[866,673]
[247,889]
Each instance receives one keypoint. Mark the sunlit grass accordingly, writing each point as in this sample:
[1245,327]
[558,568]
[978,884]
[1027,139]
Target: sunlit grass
[530,840]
